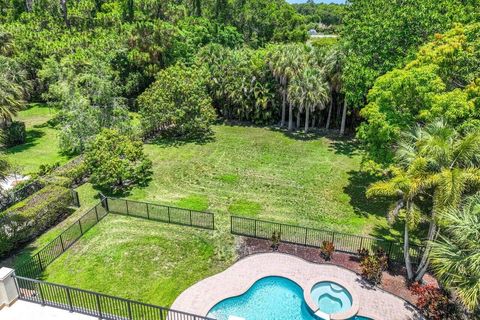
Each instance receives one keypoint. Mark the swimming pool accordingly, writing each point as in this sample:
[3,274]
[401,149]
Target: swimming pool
[269,298]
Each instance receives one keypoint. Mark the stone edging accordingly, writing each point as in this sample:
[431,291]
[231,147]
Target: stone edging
[238,278]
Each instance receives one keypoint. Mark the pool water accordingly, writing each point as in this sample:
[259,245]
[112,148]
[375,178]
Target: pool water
[269,298]
[331,297]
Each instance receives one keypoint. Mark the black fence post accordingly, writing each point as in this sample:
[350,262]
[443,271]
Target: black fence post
[39,262]
[61,242]
[190,211]
[168,212]
[126,205]
[306,235]
[69,298]
[148,212]
[255,228]
[41,293]
[80,225]
[361,243]
[129,310]
[98,307]
[96,213]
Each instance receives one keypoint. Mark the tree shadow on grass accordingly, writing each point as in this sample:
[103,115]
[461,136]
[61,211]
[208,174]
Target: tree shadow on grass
[358,182]
[363,206]
[173,141]
[30,141]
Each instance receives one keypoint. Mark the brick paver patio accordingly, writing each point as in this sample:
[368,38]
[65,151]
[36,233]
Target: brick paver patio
[370,301]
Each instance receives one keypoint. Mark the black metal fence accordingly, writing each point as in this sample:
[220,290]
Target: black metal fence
[94,304]
[33,267]
[314,238]
[161,213]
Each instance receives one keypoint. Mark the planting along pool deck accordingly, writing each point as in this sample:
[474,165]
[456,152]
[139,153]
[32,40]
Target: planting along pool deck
[370,301]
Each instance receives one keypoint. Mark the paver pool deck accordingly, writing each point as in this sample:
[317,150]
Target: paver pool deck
[369,301]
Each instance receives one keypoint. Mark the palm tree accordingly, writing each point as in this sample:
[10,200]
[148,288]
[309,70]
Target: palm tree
[443,165]
[449,163]
[455,256]
[333,66]
[13,89]
[405,187]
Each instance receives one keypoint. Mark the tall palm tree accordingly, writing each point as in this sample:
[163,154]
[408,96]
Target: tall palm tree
[405,187]
[450,163]
[13,89]
[455,256]
[444,165]
[333,66]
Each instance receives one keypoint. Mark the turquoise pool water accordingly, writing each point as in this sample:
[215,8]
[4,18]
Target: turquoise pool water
[269,298]
[331,297]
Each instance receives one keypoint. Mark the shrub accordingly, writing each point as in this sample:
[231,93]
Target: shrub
[433,302]
[117,162]
[28,218]
[15,134]
[326,250]
[373,265]
[276,238]
[76,170]
[177,104]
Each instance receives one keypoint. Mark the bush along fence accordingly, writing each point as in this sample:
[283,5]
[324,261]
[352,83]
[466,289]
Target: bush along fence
[94,304]
[161,213]
[34,266]
[314,238]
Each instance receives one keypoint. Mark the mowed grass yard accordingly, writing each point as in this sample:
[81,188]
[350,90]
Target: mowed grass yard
[255,172]
[41,146]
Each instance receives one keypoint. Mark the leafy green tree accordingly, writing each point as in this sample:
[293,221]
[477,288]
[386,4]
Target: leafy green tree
[455,255]
[177,104]
[117,162]
[378,40]
[442,81]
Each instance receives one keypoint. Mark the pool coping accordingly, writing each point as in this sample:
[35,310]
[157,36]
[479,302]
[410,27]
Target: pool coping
[370,302]
[350,312]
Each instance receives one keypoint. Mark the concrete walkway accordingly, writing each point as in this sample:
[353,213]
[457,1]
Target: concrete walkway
[370,301]
[23,310]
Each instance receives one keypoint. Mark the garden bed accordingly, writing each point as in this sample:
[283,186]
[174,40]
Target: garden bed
[393,280]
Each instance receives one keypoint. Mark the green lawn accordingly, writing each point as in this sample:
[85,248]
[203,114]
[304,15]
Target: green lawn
[41,146]
[255,172]
[141,260]
[266,174]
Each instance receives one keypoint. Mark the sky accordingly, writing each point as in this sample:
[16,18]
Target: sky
[317,1]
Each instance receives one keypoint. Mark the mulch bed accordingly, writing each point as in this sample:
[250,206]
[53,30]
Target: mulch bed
[393,280]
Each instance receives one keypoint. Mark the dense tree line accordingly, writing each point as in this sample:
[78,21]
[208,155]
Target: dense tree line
[405,77]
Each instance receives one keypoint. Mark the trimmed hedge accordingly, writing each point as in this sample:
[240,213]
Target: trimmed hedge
[15,134]
[30,217]
[76,170]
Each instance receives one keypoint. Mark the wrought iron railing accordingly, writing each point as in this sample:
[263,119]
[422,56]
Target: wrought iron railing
[94,304]
[314,238]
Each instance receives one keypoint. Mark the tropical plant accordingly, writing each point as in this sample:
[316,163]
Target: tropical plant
[433,302]
[373,266]
[327,249]
[455,255]
[308,90]
[438,162]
